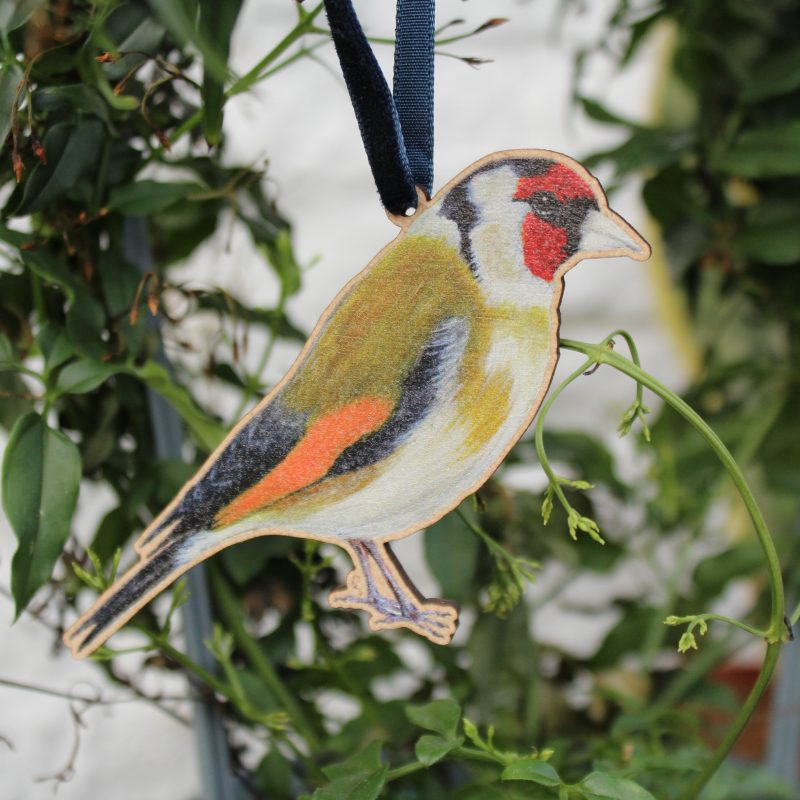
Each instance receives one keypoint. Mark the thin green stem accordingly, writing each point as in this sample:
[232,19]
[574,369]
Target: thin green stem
[231,613]
[761,425]
[190,666]
[538,435]
[403,770]
[696,619]
[250,392]
[602,355]
[740,720]
[259,71]
[776,633]
[467,753]
[21,368]
[303,52]
[483,536]
[186,126]
[304,26]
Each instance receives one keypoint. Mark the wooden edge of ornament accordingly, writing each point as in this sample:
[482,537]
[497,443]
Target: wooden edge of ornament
[72,638]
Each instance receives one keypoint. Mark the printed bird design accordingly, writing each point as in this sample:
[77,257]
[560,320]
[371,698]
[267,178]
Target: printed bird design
[416,382]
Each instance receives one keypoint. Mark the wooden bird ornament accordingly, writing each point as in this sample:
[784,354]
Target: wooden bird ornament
[416,382]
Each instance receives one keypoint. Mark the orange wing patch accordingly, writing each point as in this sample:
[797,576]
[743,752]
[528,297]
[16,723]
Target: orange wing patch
[311,457]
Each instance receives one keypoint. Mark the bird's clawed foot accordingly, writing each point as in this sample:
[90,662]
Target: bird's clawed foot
[390,599]
[436,620]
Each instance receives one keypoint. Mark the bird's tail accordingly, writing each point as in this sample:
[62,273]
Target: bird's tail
[120,602]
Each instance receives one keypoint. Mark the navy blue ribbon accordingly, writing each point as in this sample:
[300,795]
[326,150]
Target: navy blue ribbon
[397,130]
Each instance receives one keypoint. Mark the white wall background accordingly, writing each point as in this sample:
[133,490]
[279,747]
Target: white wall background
[302,123]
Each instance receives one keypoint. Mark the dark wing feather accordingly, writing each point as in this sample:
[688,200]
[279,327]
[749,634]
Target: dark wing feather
[256,449]
[419,392]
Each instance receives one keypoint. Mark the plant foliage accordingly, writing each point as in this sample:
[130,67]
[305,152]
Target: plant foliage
[114,111]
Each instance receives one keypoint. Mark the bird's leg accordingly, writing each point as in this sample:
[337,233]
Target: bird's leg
[434,619]
[378,585]
[361,591]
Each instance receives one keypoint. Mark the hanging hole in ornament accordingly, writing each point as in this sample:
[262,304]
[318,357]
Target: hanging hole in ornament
[410,211]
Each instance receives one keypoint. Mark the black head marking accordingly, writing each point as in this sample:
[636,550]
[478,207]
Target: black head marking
[458,207]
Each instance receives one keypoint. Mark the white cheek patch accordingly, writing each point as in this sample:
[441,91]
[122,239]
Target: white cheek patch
[497,242]
[492,193]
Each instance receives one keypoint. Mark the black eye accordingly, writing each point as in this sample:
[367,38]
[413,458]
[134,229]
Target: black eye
[544,204]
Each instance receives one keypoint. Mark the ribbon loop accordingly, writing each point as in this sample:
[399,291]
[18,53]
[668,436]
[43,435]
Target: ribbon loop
[397,130]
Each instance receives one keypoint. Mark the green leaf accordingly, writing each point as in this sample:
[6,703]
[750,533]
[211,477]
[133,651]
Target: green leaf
[10,76]
[72,153]
[429,749]
[672,195]
[217,20]
[245,560]
[170,476]
[51,270]
[627,635]
[272,318]
[280,254]
[207,432]
[779,453]
[120,281]
[533,770]
[41,477]
[73,96]
[14,403]
[647,148]
[55,346]
[777,74]
[111,533]
[602,786]
[771,233]
[600,113]
[15,13]
[713,574]
[134,30]
[16,238]
[178,20]
[451,551]
[638,33]
[366,760]
[148,197]
[274,775]
[763,153]
[360,777]
[85,323]
[85,376]
[8,359]
[439,716]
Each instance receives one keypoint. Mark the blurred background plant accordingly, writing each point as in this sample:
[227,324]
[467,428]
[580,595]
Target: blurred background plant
[114,110]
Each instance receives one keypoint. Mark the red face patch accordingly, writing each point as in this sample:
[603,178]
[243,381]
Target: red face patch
[544,247]
[560,180]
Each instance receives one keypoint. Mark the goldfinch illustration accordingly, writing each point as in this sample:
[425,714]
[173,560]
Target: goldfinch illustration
[416,382]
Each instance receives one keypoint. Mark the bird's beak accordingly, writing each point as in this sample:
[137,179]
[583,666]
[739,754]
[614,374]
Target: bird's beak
[605,234]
